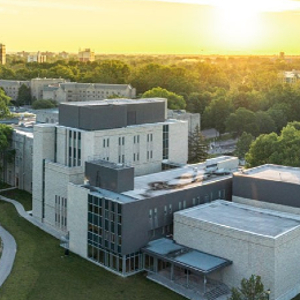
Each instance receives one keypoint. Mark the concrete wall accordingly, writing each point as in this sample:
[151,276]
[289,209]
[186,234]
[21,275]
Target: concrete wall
[287,276]
[18,172]
[11,87]
[78,219]
[57,178]
[273,258]
[43,148]
[250,254]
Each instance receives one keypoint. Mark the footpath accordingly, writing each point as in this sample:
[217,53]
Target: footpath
[9,246]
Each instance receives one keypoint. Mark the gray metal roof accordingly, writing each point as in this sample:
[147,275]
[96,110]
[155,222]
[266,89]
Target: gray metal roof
[274,172]
[185,257]
[243,218]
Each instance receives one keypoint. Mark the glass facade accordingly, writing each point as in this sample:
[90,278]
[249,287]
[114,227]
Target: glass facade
[105,236]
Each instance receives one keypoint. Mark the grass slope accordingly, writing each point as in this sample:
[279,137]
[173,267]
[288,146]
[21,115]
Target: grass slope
[40,273]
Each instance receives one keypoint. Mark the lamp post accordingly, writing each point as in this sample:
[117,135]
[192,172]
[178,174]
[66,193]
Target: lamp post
[268,292]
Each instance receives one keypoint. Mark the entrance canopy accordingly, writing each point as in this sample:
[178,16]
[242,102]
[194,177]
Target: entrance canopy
[185,257]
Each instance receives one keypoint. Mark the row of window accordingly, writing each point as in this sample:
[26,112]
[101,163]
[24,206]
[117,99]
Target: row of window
[169,209]
[60,210]
[123,265]
[74,153]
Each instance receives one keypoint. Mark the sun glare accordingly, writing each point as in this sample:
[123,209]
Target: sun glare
[237,24]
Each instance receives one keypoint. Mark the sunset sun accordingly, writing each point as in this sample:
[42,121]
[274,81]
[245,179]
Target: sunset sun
[237,24]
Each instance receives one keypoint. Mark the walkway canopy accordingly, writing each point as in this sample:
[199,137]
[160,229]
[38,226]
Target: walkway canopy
[187,258]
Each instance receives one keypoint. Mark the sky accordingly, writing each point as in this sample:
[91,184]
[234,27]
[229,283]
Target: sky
[152,26]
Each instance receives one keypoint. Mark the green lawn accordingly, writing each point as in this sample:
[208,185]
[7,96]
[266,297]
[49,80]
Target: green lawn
[40,273]
[23,197]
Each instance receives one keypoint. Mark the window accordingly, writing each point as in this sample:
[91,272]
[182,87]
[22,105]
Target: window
[180,205]
[170,208]
[165,141]
[150,213]
[184,204]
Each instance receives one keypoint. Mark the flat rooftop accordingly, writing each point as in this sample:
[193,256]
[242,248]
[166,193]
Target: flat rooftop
[166,182]
[118,101]
[185,257]
[243,218]
[275,173]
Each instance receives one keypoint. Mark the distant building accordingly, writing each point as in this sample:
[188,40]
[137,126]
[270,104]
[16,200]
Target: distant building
[37,86]
[74,92]
[63,55]
[282,55]
[11,87]
[289,76]
[36,57]
[2,54]
[192,118]
[61,90]
[86,55]
[46,115]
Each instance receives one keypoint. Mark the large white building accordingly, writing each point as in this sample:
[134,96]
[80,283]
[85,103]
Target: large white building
[257,241]
[127,132]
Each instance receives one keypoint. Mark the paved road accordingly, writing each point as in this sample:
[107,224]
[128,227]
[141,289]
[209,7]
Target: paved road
[9,248]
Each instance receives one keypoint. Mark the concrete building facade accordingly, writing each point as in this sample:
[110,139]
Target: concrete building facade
[134,133]
[18,171]
[109,209]
[192,118]
[37,57]
[257,241]
[86,55]
[61,90]
[11,87]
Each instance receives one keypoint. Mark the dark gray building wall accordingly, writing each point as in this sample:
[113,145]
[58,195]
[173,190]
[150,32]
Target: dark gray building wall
[118,180]
[147,112]
[137,227]
[102,117]
[98,117]
[270,191]
[69,116]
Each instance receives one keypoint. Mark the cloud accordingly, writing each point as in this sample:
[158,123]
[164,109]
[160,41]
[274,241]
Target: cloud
[53,5]
[8,11]
[258,5]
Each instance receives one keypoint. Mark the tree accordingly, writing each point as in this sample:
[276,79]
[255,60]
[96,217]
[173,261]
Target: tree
[273,149]
[4,101]
[174,101]
[243,144]
[216,113]
[264,122]
[198,101]
[44,104]
[5,139]
[251,289]
[24,95]
[198,147]
[241,120]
